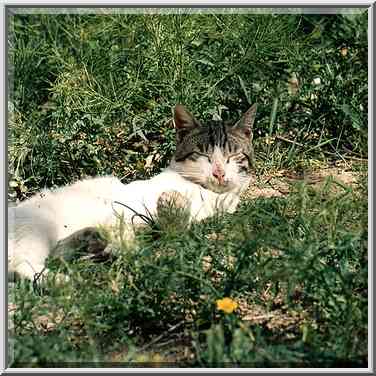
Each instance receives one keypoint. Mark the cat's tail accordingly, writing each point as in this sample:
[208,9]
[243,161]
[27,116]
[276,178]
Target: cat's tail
[31,235]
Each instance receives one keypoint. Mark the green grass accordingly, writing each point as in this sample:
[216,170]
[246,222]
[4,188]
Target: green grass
[308,250]
[92,95]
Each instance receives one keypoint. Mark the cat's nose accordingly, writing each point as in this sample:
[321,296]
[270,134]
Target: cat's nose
[219,175]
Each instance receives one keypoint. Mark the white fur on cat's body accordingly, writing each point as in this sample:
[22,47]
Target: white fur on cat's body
[37,224]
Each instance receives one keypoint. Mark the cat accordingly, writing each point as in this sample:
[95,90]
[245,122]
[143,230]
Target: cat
[209,169]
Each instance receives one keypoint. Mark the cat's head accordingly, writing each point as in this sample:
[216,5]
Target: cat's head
[217,155]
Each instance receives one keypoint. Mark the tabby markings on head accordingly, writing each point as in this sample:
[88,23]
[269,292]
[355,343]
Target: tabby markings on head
[216,155]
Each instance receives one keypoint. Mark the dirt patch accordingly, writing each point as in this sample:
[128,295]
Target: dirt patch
[278,183]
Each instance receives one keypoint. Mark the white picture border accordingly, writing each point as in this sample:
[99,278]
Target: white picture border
[319,6]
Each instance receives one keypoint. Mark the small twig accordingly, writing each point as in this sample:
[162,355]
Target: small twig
[282,192]
[278,137]
[168,342]
[357,159]
[260,317]
[352,152]
[268,179]
[155,340]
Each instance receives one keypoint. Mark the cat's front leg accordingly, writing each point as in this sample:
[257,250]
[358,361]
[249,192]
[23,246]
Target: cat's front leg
[229,202]
[200,205]
[208,204]
[97,244]
[86,243]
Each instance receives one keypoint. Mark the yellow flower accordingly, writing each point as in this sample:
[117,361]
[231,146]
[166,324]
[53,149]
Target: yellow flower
[226,305]
[344,51]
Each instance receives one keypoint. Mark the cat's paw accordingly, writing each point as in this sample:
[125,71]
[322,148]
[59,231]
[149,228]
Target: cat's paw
[173,211]
[229,203]
[172,199]
[85,243]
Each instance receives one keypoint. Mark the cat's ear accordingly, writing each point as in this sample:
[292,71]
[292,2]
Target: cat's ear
[183,119]
[245,124]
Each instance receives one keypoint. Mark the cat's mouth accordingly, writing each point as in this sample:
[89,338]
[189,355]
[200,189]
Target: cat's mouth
[210,184]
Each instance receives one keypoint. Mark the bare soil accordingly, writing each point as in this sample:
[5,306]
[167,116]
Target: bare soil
[278,183]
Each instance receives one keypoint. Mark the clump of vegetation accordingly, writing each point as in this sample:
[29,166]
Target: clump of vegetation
[280,283]
[298,263]
[92,94]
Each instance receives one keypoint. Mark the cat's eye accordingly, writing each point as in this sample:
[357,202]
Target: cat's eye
[199,154]
[238,157]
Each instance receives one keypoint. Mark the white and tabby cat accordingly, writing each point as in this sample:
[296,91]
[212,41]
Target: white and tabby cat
[210,168]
